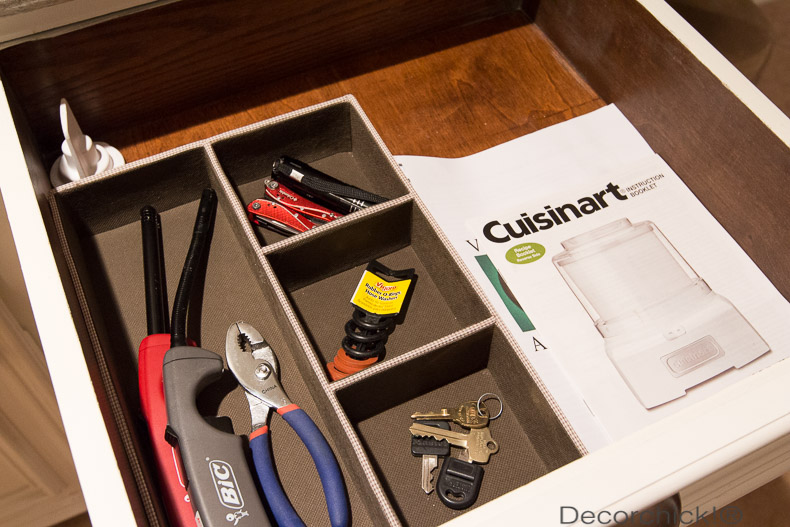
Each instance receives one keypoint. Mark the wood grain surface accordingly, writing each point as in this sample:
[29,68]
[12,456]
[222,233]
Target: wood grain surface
[447,88]
[155,62]
[449,94]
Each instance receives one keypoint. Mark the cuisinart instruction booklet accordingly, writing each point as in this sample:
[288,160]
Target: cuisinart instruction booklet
[627,297]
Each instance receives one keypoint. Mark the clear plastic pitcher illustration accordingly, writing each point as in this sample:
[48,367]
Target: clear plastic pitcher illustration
[664,329]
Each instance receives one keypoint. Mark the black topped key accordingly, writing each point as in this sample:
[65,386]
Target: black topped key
[430,448]
[458,483]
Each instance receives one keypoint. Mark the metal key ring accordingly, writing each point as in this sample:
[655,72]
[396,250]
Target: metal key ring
[484,398]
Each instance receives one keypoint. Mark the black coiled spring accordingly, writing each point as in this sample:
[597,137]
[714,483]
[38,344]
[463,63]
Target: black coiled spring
[366,335]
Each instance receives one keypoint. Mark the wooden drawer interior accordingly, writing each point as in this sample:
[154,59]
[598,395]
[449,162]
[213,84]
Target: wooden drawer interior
[434,79]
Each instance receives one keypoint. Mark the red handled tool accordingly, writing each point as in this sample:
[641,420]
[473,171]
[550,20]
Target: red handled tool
[151,354]
[287,212]
[278,218]
[277,192]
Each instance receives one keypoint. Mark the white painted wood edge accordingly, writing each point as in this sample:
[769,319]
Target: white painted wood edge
[64,17]
[729,75]
[94,459]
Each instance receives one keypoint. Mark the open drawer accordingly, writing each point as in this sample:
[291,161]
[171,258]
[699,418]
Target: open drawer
[204,101]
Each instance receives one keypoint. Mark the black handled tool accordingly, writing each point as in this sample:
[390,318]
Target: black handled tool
[322,187]
[153,268]
[219,480]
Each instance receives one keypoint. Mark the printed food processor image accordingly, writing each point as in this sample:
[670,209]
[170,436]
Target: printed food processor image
[664,329]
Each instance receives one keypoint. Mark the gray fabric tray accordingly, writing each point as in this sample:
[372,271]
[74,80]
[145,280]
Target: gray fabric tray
[449,348]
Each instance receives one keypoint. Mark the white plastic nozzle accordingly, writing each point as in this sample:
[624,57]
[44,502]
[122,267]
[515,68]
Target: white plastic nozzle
[81,156]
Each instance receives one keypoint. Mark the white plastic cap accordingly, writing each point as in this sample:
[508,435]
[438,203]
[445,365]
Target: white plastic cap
[81,156]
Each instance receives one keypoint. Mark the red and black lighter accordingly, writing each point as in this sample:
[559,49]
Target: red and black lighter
[151,355]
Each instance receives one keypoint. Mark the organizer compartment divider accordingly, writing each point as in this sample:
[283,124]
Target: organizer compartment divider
[449,348]
[351,241]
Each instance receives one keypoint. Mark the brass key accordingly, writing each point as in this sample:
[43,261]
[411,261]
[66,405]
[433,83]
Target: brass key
[478,443]
[465,415]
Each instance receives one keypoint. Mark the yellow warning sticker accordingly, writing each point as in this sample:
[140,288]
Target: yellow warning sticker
[378,296]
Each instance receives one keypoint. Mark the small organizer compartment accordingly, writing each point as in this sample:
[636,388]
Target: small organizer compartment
[101,229]
[320,275]
[334,139]
[532,441]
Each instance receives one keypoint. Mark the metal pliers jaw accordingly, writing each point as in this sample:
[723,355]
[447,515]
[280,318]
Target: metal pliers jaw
[255,366]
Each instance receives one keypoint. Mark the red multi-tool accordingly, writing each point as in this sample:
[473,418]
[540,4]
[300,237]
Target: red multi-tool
[285,211]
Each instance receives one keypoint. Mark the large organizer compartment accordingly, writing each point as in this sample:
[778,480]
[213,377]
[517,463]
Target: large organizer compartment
[447,349]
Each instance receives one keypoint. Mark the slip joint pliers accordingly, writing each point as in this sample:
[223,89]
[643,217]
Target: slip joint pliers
[255,366]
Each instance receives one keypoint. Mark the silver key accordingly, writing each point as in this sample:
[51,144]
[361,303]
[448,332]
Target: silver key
[477,444]
[465,415]
[429,464]
[430,449]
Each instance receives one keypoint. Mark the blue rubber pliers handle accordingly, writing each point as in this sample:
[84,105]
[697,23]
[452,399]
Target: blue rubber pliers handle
[257,369]
[325,462]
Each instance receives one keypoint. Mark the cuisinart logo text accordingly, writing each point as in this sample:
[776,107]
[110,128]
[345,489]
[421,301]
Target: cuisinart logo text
[226,485]
[528,224]
[690,357]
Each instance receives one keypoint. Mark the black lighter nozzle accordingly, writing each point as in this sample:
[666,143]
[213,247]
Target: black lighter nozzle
[200,234]
[153,269]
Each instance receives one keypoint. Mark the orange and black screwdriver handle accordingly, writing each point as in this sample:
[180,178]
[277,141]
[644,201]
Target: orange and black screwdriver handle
[150,358]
